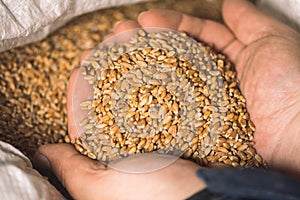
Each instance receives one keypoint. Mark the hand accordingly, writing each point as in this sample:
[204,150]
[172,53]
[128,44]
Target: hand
[89,179]
[266,56]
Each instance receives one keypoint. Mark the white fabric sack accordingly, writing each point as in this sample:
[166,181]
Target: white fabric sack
[26,21]
[19,180]
[287,11]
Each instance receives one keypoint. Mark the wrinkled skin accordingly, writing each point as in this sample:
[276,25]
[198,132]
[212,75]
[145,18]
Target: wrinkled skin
[266,54]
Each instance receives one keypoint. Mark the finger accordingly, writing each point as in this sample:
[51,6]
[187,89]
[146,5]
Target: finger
[125,26]
[248,24]
[74,102]
[122,27]
[85,54]
[108,36]
[76,172]
[79,91]
[71,118]
[204,30]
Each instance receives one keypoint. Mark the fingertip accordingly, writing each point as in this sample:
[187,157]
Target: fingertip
[125,26]
[141,16]
[117,23]
[41,162]
[55,154]
[160,18]
[232,10]
[59,157]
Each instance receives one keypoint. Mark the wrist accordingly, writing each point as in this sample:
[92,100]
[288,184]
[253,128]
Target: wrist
[286,157]
[189,182]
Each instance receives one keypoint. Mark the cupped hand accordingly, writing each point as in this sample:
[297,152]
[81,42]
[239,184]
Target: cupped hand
[89,179]
[266,54]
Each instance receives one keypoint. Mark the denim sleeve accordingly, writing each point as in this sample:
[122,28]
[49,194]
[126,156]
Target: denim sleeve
[241,183]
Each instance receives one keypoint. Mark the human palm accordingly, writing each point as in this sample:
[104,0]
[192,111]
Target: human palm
[270,80]
[266,55]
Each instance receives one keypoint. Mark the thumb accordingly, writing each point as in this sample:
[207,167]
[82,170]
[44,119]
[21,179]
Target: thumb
[74,170]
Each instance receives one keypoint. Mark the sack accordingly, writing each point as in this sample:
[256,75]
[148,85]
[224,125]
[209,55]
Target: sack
[27,21]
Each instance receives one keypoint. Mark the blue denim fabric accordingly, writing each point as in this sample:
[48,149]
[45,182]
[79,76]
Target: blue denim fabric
[241,183]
